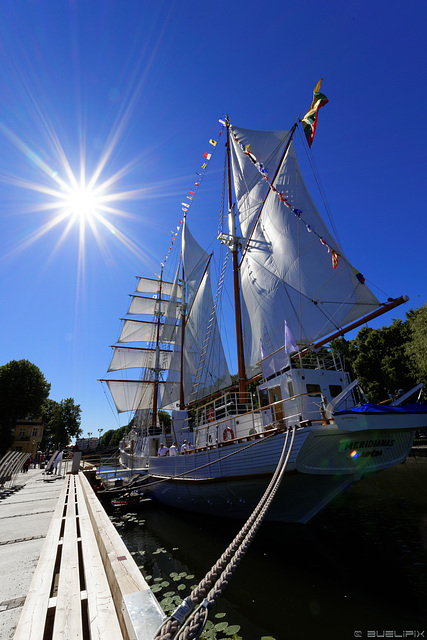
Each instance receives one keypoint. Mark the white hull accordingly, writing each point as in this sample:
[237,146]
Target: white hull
[229,479]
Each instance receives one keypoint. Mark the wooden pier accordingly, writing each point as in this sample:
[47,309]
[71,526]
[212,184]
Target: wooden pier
[86,584]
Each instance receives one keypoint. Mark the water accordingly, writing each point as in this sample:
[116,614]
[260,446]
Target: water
[356,570]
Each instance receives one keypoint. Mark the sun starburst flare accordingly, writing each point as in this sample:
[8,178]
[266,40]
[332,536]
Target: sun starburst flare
[71,198]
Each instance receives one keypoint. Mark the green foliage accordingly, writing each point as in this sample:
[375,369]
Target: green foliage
[388,359]
[118,434]
[62,422]
[380,363]
[106,438]
[416,348]
[165,418]
[23,392]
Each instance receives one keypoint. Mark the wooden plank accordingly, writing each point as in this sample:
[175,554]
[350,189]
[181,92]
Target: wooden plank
[123,575]
[103,621]
[68,615]
[32,620]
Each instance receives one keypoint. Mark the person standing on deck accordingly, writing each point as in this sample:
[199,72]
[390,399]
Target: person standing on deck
[163,451]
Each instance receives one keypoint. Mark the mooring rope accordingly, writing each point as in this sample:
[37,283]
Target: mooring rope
[217,578]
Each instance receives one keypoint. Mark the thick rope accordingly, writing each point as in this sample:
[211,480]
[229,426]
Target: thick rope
[217,578]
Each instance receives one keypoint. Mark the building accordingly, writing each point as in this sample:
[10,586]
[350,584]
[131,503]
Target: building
[28,436]
[87,444]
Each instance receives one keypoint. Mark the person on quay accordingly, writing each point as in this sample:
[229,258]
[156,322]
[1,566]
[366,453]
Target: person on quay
[173,451]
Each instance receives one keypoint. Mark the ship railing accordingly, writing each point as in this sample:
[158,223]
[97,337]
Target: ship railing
[226,430]
[328,361]
[229,404]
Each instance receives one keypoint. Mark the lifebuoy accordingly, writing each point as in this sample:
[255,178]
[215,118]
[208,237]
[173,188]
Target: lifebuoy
[227,431]
[211,415]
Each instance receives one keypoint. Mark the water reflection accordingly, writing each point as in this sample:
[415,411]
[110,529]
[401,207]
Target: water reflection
[358,566]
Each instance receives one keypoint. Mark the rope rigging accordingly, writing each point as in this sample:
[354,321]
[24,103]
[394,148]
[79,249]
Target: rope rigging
[210,588]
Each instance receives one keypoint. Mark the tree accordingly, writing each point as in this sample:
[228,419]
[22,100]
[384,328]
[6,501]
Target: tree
[23,392]
[165,419]
[119,435]
[62,422]
[106,438]
[416,349]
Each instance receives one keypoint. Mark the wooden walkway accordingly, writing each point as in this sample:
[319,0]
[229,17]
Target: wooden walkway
[86,584]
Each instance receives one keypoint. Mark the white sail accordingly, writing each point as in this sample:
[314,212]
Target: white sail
[141,331]
[131,395]
[287,272]
[134,358]
[149,285]
[200,316]
[148,306]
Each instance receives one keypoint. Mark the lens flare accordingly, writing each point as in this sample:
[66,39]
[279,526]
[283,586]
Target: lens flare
[354,454]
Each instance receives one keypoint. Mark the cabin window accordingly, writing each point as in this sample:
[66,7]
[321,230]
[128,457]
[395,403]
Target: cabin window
[35,431]
[313,390]
[290,388]
[335,389]
[263,397]
[22,433]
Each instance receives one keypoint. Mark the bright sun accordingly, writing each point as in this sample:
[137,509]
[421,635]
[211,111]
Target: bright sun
[82,202]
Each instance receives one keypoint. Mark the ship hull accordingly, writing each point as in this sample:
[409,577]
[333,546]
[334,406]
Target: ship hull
[229,480]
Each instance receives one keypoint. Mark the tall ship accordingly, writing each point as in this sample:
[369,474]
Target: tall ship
[294,291]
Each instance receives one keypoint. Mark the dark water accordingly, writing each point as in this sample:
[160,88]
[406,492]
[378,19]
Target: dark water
[359,569]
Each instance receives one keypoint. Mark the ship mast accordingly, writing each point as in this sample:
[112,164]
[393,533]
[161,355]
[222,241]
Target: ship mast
[241,370]
[183,321]
[157,357]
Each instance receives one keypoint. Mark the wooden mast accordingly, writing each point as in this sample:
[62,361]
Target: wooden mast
[183,321]
[157,356]
[241,370]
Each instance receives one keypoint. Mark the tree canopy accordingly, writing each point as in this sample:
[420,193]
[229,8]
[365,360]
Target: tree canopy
[62,422]
[388,359]
[23,392]
[416,347]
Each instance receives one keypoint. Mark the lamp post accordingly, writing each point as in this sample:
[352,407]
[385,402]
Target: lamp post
[89,433]
[100,431]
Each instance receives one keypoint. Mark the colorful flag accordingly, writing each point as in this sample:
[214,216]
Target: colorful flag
[334,259]
[213,142]
[208,156]
[192,192]
[359,276]
[309,121]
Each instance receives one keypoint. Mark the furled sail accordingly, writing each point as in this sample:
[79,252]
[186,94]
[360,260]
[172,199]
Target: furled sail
[287,273]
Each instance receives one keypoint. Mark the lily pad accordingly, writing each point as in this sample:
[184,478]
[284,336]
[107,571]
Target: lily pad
[232,629]
[156,588]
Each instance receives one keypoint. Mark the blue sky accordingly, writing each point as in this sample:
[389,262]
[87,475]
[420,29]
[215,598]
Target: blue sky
[132,91]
